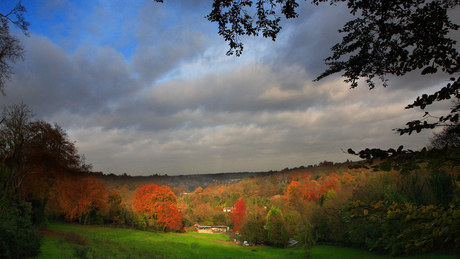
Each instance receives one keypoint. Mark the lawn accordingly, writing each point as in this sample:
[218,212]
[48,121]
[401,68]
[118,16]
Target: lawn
[77,241]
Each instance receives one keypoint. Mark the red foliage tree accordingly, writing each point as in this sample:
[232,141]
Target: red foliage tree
[160,203]
[237,215]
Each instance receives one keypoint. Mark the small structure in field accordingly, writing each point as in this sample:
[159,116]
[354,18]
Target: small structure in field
[211,229]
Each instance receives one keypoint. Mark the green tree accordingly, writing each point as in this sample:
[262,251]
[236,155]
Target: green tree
[253,228]
[305,236]
[18,238]
[277,233]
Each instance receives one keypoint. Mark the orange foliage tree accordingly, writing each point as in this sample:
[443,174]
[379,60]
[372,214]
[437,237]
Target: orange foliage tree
[78,195]
[49,154]
[160,203]
[294,195]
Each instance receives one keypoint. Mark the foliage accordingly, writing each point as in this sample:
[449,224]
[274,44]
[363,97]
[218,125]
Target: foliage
[384,38]
[451,90]
[447,137]
[237,215]
[79,195]
[306,237]
[18,238]
[115,208]
[253,229]
[409,228]
[405,161]
[160,203]
[37,156]
[277,234]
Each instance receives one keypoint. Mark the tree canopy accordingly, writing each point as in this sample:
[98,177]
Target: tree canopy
[384,38]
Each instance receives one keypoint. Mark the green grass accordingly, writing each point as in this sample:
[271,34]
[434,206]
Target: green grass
[99,242]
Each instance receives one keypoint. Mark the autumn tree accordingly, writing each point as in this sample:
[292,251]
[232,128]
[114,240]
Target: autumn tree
[237,214]
[50,154]
[33,155]
[160,203]
[77,195]
[294,196]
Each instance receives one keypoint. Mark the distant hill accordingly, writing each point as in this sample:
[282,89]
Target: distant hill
[191,182]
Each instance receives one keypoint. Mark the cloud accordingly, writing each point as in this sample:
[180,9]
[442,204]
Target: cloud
[146,88]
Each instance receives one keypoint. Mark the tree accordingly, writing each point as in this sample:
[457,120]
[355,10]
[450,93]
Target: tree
[47,154]
[115,207]
[10,47]
[294,196]
[159,203]
[77,195]
[448,137]
[277,233]
[237,214]
[253,228]
[305,236]
[14,136]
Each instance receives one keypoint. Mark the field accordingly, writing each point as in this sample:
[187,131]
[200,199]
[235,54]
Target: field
[77,241]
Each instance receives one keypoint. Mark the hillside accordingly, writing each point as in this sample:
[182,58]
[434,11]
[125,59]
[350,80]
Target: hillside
[190,182]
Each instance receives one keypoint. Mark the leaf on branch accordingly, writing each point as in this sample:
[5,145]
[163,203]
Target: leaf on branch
[429,70]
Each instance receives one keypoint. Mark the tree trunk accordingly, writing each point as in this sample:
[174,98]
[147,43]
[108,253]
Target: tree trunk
[86,217]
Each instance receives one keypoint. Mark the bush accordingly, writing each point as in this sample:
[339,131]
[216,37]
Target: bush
[18,238]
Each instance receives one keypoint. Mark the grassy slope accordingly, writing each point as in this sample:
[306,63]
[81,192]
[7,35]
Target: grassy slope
[124,243]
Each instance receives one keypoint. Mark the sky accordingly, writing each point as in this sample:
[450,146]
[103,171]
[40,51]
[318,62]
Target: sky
[146,88]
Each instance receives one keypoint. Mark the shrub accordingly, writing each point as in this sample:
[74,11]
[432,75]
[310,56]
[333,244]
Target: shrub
[18,238]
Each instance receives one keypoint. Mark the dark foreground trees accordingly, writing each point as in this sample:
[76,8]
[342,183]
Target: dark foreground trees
[36,160]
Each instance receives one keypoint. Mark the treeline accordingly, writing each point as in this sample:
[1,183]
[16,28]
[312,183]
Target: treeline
[383,211]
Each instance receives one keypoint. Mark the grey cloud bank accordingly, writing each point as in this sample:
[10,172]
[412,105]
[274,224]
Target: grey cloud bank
[167,100]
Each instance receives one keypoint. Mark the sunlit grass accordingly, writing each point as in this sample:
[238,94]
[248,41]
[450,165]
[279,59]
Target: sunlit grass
[103,242]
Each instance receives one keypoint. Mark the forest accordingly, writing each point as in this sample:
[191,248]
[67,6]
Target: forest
[366,204]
